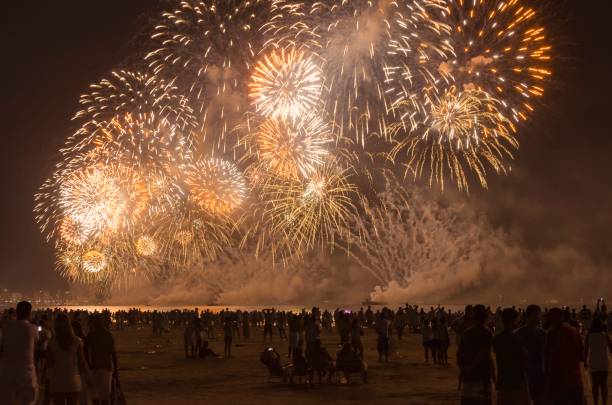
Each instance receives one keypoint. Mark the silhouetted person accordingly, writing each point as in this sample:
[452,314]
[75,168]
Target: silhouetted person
[272,360]
[192,339]
[511,355]
[66,362]
[294,333]
[443,341]
[597,350]
[563,356]
[17,371]
[299,365]
[475,362]
[228,329]
[427,339]
[246,325]
[206,351]
[534,338]
[356,333]
[383,329]
[369,315]
[102,359]
[267,330]
[348,362]
[320,360]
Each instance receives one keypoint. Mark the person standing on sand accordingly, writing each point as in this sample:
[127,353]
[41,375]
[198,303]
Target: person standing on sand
[564,353]
[246,325]
[443,341]
[294,333]
[534,338]
[511,355]
[17,371]
[102,358]
[427,339]
[228,330]
[475,362]
[597,350]
[267,329]
[383,329]
[67,365]
[356,333]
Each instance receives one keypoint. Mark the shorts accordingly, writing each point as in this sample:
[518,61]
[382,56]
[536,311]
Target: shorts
[102,381]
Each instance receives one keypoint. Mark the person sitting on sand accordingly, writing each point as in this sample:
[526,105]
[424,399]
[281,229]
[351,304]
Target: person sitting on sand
[348,362]
[299,366]
[320,361]
[272,360]
[206,351]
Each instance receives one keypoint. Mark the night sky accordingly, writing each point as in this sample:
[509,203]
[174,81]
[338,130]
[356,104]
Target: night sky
[558,194]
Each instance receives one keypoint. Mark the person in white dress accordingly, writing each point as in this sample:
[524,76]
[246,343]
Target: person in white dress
[597,352]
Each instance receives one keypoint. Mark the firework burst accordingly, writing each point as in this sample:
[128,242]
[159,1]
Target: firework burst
[290,149]
[465,131]
[210,47]
[501,47]
[133,116]
[191,236]
[306,214]
[95,200]
[420,44]
[354,35]
[216,185]
[146,246]
[286,84]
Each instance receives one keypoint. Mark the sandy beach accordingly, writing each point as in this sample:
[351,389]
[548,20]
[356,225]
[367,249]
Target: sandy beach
[155,371]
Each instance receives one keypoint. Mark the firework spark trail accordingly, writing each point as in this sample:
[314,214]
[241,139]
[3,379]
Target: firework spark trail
[466,132]
[502,48]
[309,213]
[190,236]
[354,34]
[307,97]
[209,47]
[135,116]
[420,44]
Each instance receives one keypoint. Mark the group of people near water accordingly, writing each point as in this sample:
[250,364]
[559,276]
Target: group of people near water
[525,356]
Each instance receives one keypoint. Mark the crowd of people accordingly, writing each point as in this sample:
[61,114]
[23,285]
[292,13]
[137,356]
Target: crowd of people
[47,357]
[528,356]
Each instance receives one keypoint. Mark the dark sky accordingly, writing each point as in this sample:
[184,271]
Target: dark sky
[559,192]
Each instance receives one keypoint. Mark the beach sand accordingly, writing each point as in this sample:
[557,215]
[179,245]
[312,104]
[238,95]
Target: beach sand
[155,371]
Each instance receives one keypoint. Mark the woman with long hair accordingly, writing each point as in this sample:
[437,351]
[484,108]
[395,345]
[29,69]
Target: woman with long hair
[66,362]
[597,349]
